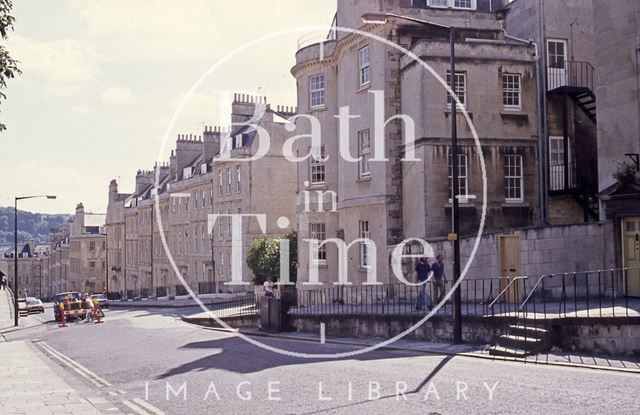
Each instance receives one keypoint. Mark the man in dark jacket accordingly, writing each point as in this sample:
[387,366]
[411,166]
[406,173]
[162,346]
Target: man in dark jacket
[422,275]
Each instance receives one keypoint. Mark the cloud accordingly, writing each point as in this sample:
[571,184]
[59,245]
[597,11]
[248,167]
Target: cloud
[116,96]
[79,109]
[64,66]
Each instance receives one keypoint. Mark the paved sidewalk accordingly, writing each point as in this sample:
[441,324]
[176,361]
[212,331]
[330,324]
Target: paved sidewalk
[29,386]
[6,310]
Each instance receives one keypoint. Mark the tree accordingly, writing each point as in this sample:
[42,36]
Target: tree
[8,66]
[263,258]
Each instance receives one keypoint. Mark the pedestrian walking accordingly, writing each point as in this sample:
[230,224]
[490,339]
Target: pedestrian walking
[89,306]
[438,280]
[268,287]
[423,269]
[4,282]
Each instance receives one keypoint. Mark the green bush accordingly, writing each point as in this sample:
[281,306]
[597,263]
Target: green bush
[263,258]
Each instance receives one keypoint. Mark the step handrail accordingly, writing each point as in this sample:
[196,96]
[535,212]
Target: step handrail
[533,290]
[505,289]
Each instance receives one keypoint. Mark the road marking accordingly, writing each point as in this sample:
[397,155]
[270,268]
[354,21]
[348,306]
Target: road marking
[322,333]
[148,406]
[135,408]
[75,365]
[64,363]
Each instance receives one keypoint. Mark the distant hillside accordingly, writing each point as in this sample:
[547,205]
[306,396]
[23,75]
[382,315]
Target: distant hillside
[31,226]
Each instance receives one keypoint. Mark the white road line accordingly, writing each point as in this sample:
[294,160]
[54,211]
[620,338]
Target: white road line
[135,408]
[64,363]
[322,333]
[148,406]
[76,364]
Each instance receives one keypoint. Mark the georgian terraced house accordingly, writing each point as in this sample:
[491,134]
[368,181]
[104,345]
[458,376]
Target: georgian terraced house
[195,184]
[527,74]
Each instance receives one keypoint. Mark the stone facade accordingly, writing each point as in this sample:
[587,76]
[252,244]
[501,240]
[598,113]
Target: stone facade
[33,270]
[196,183]
[564,35]
[388,201]
[616,55]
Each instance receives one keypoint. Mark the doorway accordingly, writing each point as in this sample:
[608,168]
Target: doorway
[631,254]
[510,267]
[557,63]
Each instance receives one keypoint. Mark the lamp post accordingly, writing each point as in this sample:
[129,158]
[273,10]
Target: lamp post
[15,252]
[382,18]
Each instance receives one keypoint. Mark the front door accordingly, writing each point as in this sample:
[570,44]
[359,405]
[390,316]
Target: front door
[631,242]
[510,267]
[556,63]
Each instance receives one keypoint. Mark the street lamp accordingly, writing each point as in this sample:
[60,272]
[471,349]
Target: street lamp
[382,18]
[15,252]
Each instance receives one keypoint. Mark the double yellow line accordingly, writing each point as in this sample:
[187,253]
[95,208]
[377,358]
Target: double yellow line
[137,405]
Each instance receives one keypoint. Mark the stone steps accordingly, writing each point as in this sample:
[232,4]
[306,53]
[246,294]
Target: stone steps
[522,340]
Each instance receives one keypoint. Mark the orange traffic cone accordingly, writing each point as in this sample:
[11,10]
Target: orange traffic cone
[63,320]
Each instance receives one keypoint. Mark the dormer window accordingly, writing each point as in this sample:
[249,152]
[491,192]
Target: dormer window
[187,172]
[237,141]
[452,4]
[203,168]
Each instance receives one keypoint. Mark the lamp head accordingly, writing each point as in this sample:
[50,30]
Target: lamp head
[374,18]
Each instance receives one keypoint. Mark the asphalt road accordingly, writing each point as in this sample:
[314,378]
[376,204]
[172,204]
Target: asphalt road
[152,356]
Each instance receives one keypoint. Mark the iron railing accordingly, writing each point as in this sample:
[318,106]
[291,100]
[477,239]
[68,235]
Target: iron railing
[608,293]
[206,287]
[239,305]
[557,176]
[604,293]
[574,74]
[181,290]
[161,292]
[395,299]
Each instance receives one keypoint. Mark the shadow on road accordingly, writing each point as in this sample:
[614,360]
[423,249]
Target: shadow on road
[234,352]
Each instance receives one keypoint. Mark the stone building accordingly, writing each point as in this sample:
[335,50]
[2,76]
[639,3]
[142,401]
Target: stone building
[389,201]
[617,55]
[87,255]
[59,258]
[196,183]
[266,186]
[78,255]
[33,269]
[114,228]
[564,35]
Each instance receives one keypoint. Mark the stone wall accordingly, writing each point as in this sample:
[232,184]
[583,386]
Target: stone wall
[597,336]
[544,250]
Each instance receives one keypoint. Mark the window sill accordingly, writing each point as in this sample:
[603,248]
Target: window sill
[515,204]
[364,269]
[516,113]
[363,88]
[318,109]
[320,264]
[319,186]
[364,179]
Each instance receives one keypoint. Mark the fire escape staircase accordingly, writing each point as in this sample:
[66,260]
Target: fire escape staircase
[575,80]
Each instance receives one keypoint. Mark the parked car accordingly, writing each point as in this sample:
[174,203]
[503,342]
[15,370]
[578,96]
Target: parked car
[22,306]
[102,300]
[34,305]
[73,305]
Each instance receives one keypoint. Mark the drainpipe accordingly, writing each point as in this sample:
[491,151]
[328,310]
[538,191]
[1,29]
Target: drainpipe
[543,120]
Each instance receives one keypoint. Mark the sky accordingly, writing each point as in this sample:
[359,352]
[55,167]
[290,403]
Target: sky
[102,79]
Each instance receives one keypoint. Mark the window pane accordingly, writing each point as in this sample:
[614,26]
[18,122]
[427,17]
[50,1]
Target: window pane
[511,90]
[317,167]
[364,153]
